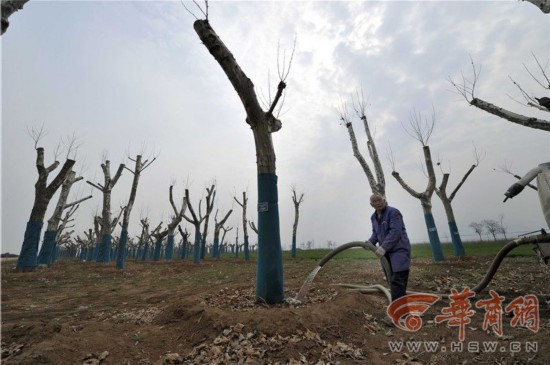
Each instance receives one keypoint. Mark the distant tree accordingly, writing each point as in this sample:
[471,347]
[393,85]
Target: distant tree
[466,88]
[421,130]
[43,193]
[492,226]
[196,222]
[243,205]
[8,8]
[223,244]
[217,227]
[210,196]
[502,229]
[139,167]
[184,242]
[478,228]
[174,223]
[376,180]
[297,201]
[107,225]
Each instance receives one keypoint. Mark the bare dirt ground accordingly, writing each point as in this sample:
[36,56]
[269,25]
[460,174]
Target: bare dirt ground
[182,313]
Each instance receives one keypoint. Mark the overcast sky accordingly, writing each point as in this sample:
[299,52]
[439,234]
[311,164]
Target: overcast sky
[128,77]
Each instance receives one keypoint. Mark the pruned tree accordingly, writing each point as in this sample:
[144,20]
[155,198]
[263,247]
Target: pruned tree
[210,196]
[252,226]
[421,129]
[46,256]
[196,222]
[159,236]
[502,229]
[8,8]
[223,244]
[466,88]
[174,223]
[107,225]
[297,201]
[269,276]
[184,242]
[144,238]
[139,167]
[376,180]
[218,225]
[447,200]
[243,205]
[43,193]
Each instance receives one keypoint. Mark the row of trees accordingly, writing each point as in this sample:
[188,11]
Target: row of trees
[490,227]
[263,121]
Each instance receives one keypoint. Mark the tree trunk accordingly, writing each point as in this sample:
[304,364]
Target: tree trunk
[269,275]
[27,260]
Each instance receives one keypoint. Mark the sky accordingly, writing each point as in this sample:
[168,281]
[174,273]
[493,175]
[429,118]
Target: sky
[132,77]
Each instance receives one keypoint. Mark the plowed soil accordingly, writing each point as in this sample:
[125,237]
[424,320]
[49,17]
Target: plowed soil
[183,313]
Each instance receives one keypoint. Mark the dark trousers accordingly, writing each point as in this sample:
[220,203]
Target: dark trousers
[399,282]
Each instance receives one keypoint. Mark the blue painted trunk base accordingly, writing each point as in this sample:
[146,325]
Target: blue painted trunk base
[121,250]
[29,249]
[246,249]
[457,242]
[437,252]
[216,248]
[105,249]
[156,252]
[47,250]
[197,248]
[293,249]
[269,276]
[170,247]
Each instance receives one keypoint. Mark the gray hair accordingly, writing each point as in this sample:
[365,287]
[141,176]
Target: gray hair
[377,196]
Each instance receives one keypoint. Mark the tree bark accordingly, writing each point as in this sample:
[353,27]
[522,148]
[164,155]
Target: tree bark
[8,8]
[530,122]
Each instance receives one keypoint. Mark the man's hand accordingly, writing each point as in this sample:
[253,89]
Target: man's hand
[380,252]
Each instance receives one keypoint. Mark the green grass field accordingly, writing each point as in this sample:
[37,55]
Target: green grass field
[419,251]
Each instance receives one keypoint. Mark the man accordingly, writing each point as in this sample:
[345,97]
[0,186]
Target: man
[388,230]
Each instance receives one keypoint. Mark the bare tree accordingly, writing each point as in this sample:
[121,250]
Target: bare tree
[447,200]
[243,205]
[217,227]
[376,180]
[184,242]
[466,88]
[297,201]
[176,220]
[43,193]
[210,196]
[8,8]
[502,229]
[196,222]
[139,167]
[143,240]
[159,237]
[223,244]
[107,225]
[269,276]
[421,130]
[53,229]
[492,226]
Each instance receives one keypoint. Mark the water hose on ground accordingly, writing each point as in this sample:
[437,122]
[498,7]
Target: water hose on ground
[541,238]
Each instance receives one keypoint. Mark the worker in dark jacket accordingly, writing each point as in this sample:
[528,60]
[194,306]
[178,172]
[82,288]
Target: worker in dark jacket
[388,230]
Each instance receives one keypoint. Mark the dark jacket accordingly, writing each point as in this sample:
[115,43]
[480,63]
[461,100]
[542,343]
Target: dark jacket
[389,231]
